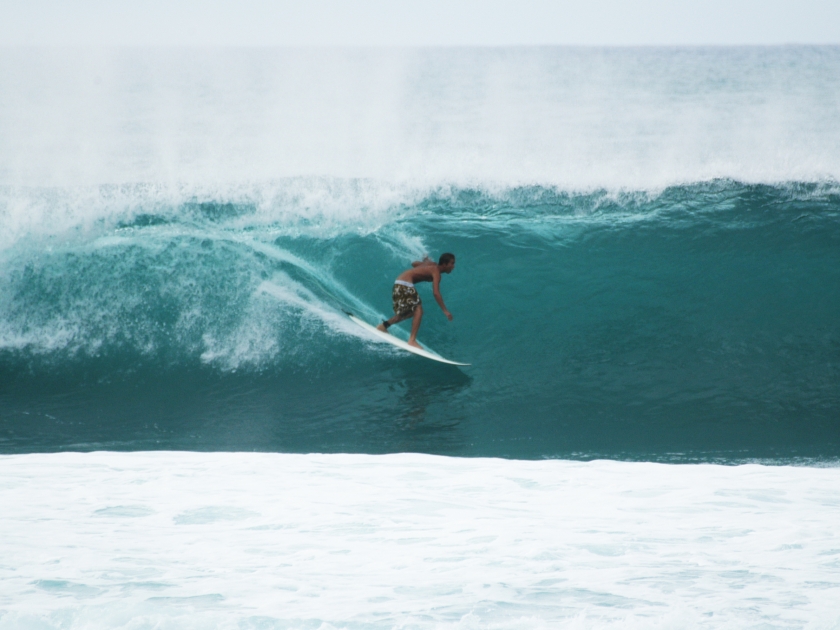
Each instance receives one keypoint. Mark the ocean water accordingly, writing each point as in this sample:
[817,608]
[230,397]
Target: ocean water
[647,288]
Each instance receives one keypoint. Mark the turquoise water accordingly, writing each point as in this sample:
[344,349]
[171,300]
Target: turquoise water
[697,323]
[648,249]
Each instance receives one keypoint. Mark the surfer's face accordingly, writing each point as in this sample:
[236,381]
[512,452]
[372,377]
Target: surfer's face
[448,268]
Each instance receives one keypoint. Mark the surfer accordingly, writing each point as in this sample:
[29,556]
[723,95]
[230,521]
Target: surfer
[406,300]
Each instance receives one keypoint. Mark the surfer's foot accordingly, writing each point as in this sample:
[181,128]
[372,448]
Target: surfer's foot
[413,342]
[381,327]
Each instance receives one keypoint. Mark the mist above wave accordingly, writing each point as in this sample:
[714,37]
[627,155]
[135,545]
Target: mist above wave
[566,117]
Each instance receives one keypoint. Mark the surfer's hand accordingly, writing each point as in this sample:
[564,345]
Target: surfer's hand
[448,315]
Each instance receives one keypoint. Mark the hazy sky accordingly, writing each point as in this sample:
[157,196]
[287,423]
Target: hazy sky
[418,22]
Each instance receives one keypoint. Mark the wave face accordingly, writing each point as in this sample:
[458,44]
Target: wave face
[648,251]
[697,322]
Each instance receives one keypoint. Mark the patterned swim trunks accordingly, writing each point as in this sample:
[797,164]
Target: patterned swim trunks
[405,300]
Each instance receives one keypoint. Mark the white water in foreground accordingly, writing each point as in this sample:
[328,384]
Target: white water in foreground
[198,540]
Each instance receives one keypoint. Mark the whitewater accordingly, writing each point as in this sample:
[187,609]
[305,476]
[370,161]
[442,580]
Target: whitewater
[193,434]
[189,540]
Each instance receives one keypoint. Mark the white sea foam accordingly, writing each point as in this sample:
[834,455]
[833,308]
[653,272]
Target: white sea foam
[320,207]
[195,540]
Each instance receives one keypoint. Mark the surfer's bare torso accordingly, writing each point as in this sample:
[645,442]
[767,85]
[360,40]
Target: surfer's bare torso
[421,271]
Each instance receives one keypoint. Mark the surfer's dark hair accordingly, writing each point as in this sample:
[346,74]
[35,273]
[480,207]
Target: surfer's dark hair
[445,259]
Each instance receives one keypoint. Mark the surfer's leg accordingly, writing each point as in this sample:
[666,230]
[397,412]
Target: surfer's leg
[396,319]
[415,325]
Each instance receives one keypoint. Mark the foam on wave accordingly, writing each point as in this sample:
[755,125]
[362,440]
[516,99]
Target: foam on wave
[324,208]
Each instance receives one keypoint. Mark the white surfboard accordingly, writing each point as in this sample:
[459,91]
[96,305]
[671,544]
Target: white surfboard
[399,343]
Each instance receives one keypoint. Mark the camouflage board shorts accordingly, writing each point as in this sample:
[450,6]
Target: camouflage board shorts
[405,299]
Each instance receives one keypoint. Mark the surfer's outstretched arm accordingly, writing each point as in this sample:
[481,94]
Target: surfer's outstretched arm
[439,297]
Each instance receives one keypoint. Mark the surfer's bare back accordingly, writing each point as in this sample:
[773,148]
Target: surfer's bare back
[406,300]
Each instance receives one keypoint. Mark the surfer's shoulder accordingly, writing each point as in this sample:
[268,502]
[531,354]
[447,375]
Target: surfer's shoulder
[423,263]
